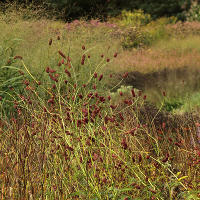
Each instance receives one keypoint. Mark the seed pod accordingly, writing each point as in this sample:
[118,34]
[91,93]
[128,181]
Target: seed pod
[62,54]
[100,77]
[50,42]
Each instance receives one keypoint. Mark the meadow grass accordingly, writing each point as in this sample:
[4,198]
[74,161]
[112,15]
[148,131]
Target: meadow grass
[69,137]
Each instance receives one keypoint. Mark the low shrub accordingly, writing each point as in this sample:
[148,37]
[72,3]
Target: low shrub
[135,37]
[135,18]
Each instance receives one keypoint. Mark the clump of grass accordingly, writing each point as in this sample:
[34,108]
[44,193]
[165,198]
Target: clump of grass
[71,140]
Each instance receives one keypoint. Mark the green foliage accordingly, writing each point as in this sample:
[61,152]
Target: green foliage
[135,37]
[135,18]
[70,9]
[172,104]
[142,36]
[10,78]
[194,12]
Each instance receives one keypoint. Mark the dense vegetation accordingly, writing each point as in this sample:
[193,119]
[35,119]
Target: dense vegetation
[72,9]
[99,109]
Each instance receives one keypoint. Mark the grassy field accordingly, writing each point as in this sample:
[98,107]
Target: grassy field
[99,110]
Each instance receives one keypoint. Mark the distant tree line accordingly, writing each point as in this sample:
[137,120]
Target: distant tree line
[73,9]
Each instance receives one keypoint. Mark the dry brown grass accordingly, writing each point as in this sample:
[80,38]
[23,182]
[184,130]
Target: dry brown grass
[149,60]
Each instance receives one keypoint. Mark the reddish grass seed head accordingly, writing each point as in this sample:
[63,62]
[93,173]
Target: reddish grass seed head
[50,41]
[58,37]
[52,70]
[95,75]
[62,54]
[21,72]
[125,75]
[133,93]
[67,72]
[18,57]
[83,47]
[133,159]
[124,143]
[166,158]
[100,77]
[164,93]
[115,55]
[59,64]
[47,70]
[82,62]
[108,60]
[140,158]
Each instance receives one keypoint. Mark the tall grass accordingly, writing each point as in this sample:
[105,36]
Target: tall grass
[71,140]
[67,135]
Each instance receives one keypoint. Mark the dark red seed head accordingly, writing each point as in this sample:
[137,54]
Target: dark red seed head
[113,106]
[140,158]
[50,42]
[124,144]
[21,72]
[95,75]
[26,82]
[67,72]
[145,96]
[47,70]
[54,86]
[125,75]
[58,37]
[121,93]
[166,158]
[62,61]
[102,55]
[52,70]
[108,60]
[133,92]
[62,54]
[115,55]
[100,77]
[83,47]
[148,156]
[82,62]
[164,93]
[18,57]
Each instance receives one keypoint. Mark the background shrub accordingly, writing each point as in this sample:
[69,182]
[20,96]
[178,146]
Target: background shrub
[73,9]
